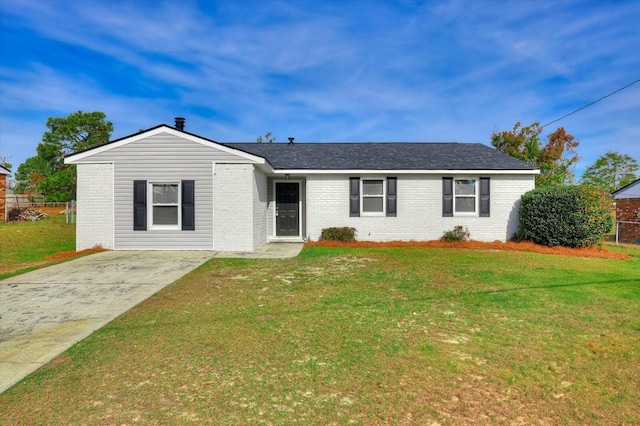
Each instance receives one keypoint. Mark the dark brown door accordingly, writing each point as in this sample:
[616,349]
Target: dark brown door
[287,209]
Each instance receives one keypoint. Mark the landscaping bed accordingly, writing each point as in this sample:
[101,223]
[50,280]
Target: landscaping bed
[593,252]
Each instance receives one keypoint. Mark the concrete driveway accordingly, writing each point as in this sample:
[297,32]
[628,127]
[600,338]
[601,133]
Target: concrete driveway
[44,312]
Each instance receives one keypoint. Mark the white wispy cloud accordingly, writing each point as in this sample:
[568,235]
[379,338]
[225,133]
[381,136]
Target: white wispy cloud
[454,70]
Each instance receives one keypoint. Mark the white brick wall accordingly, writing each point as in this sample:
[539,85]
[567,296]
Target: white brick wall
[233,207]
[94,221]
[260,204]
[419,214]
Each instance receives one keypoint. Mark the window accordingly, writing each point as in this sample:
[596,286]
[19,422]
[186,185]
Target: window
[372,196]
[165,202]
[466,197]
[172,205]
[464,193]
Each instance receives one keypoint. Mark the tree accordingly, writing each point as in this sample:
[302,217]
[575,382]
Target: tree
[267,138]
[4,162]
[555,159]
[611,171]
[46,172]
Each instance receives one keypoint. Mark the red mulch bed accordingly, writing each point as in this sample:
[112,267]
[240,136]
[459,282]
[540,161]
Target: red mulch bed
[592,252]
[65,254]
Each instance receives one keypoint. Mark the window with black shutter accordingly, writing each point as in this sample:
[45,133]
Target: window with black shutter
[392,196]
[354,197]
[485,197]
[465,196]
[188,205]
[171,205]
[139,205]
[447,196]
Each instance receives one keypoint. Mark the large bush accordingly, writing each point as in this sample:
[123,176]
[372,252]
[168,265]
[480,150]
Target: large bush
[571,216]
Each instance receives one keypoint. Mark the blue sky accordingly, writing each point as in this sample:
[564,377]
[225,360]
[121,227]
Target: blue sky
[323,71]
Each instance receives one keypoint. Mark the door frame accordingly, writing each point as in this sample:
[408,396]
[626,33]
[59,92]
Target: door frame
[273,211]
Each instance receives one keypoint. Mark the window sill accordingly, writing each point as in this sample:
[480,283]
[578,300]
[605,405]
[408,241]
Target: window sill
[164,228]
[372,214]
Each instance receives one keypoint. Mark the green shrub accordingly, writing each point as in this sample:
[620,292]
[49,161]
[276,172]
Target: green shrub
[458,233]
[344,234]
[570,216]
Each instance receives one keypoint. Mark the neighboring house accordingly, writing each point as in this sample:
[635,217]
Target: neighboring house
[4,175]
[628,212]
[168,189]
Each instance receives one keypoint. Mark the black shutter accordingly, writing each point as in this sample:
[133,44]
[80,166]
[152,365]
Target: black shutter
[392,196]
[485,197]
[139,205]
[188,205]
[354,197]
[447,197]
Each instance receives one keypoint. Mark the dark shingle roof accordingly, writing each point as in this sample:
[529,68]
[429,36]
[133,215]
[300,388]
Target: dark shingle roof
[382,156]
[370,155]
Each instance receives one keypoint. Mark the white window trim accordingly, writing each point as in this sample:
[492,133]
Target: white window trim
[151,205]
[475,213]
[384,196]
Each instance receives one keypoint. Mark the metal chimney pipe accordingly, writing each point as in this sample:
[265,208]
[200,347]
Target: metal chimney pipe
[180,123]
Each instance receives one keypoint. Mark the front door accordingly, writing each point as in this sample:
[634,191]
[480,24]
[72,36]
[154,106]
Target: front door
[287,209]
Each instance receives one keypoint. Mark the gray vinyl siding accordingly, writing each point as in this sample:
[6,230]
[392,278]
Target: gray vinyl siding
[163,158]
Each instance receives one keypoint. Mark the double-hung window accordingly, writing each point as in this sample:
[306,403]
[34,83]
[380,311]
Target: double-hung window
[462,196]
[372,196]
[465,196]
[165,202]
[164,205]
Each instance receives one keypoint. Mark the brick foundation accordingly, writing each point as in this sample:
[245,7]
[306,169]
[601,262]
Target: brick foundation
[628,209]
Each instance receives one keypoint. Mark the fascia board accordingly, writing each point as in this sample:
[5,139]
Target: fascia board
[407,172]
[78,158]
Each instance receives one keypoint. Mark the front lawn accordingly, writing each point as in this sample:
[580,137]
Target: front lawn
[30,245]
[364,336]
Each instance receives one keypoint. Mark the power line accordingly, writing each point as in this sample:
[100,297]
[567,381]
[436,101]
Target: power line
[594,102]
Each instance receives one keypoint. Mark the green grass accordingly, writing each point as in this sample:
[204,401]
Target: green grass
[360,336]
[26,245]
